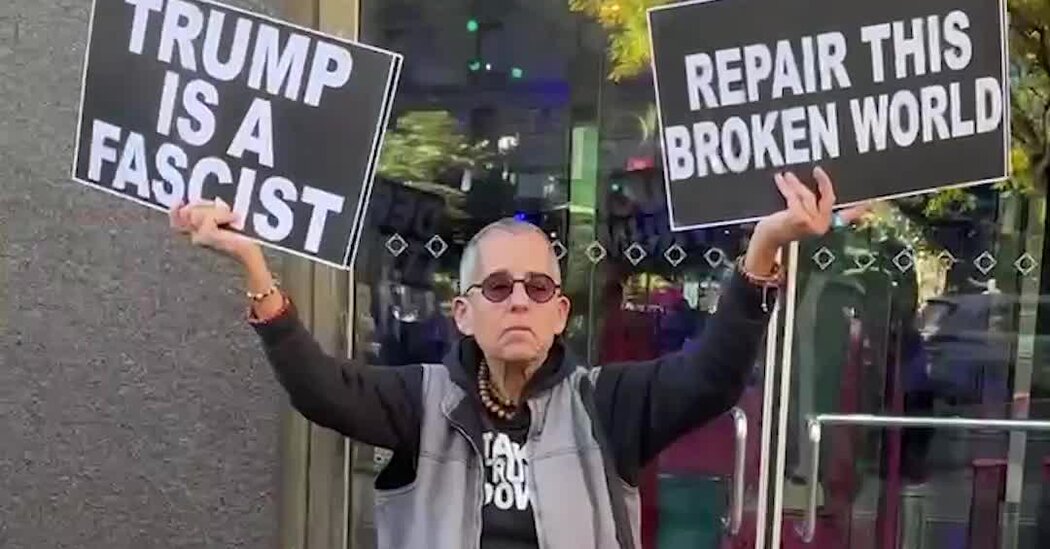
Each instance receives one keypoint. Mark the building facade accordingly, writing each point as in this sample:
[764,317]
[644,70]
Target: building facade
[930,308]
[128,427]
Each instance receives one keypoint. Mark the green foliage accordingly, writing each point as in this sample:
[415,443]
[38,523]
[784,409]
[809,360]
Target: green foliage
[887,221]
[948,202]
[628,29]
[424,144]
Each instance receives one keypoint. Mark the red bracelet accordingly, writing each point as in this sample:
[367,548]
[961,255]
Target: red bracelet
[286,304]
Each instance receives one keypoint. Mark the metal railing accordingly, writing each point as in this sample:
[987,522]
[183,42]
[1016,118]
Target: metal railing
[735,517]
[815,426]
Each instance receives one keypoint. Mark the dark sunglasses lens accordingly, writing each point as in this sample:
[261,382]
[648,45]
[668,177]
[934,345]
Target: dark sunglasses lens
[540,288]
[497,287]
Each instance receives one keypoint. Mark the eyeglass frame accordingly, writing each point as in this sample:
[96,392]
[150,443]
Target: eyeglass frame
[514,282]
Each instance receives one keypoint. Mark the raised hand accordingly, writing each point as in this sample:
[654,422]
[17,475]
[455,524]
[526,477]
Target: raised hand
[205,222]
[806,215]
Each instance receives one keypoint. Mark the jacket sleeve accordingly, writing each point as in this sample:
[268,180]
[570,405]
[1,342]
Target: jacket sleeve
[646,406]
[375,405]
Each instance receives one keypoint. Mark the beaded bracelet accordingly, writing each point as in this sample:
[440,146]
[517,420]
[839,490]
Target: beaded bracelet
[773,281]
[257,297]
[775,278]
[285,306]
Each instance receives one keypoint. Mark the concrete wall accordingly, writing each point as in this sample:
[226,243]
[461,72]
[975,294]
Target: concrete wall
[136,409]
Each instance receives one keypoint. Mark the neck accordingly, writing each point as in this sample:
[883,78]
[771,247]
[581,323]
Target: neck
[510,378]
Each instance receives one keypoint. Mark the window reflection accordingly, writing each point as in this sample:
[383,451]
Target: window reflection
[928,308]
[935,306]
[508,109]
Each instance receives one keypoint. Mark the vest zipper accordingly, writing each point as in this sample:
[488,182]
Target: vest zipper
[480,492]
[540,539]
[533,494]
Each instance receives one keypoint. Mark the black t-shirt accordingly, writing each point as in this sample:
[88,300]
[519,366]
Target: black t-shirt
[507,521]
[506,515]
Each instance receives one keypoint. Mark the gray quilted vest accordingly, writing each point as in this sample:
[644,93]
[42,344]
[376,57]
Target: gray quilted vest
[578,500]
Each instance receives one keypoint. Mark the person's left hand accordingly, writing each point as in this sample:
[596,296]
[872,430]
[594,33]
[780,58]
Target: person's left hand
[806,216]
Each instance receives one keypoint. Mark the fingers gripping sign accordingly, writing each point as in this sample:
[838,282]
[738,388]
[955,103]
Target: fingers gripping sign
[208,225]
[806,214]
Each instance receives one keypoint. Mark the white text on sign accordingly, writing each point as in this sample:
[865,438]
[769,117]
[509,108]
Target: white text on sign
[270,67]
[815,64]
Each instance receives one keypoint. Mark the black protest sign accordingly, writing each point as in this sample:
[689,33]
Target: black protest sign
[185,100]
[891,98]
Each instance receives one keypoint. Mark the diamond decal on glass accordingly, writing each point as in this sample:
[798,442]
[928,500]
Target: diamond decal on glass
[823,258]
[946,259]
[674,255]
[395,245]
[864,260]
[715,257]
[595,252]
[904,261]
[436,246]
[635,254]
[1025,264]
[985,262]
[559,249]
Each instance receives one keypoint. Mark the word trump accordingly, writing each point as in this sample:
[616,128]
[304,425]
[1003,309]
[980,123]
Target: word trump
[121,160]
[194,37]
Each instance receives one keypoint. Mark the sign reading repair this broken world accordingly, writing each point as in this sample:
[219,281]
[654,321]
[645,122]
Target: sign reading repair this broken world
[188,100]
[892,98]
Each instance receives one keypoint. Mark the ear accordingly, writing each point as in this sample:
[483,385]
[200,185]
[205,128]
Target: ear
[564,306]
[464,315]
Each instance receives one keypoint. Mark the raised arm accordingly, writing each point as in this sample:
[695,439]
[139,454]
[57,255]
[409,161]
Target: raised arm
[371,404]
[375,405]
[646,406]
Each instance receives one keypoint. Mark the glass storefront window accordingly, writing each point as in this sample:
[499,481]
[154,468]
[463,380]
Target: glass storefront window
[508,109]
[933,306]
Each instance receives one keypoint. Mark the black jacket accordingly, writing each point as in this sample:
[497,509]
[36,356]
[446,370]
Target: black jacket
[642,406]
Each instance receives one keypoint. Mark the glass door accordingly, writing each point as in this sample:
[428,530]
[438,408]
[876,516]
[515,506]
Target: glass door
[490,122]
[654,293]
[916,414]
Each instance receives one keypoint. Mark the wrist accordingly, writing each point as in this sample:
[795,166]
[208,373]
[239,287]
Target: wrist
[761,256]
[257,273]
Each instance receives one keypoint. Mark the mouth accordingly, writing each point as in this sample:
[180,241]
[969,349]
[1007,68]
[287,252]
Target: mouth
[517,329]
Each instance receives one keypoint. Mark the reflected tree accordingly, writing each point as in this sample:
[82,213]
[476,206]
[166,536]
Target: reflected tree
[424,145]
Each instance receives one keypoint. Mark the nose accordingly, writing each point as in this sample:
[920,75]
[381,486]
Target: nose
[519,298]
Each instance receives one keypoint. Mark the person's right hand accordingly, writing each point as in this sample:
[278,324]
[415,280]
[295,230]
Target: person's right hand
[203,222]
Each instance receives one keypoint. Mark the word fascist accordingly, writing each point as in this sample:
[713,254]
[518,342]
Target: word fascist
[125,158]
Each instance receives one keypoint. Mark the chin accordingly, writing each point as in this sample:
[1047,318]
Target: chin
[516,353]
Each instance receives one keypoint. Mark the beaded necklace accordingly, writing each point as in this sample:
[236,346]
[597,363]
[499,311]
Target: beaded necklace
[497,404]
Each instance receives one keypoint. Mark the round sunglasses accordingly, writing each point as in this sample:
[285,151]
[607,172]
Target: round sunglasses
[498,286]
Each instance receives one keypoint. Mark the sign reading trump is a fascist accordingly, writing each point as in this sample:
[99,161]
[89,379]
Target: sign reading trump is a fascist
[891,98]
[188,100]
